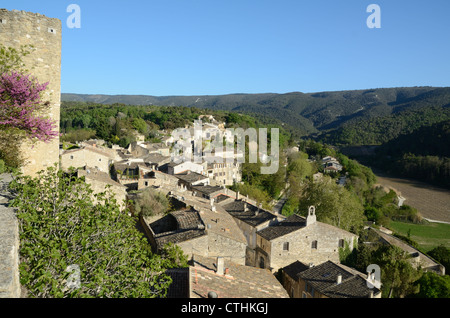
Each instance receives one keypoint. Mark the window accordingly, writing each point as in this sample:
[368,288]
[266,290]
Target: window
[309,289]
[286,246]
[314,245]
[71,157]
[100,159]
[341,243]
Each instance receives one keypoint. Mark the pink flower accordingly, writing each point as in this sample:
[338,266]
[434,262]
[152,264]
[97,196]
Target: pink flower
[20,100]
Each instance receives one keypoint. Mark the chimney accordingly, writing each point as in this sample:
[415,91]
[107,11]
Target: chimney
[371,294]
[245,207]
[237,195]
[311,218]
[220,266]
[258,209]
[339,279]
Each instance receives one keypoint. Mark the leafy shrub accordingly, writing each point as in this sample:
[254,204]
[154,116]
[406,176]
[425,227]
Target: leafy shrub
[60,226]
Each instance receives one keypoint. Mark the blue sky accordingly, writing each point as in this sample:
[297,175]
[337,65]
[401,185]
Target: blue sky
[210,47]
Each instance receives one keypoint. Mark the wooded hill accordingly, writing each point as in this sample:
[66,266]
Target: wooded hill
[306,113]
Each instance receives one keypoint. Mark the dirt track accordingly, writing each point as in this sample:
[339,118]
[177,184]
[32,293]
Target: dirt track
[432,202]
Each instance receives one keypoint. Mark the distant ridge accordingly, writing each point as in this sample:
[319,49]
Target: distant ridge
[309,113]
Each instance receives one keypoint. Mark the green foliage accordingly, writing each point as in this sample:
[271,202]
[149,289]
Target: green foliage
[150,203]
[254,193]
[433,285]
[442,255]
[398,276]
[347,256]
[10,142]
[173,256]
[11,58]
[334,204]
[61,226]
[380,130]
[3,167]
[423,154]
[75,136]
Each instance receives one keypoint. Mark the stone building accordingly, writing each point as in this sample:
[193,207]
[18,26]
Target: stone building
[300,238]
[326,280]
[20,28]
[202,229]
[158,179]
[182,167]
[99,181]
[189,179]
[223,278]
[250,219]
[225,173]
[87,156]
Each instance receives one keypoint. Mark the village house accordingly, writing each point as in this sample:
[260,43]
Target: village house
[141,149]
[200,228]
[86,156]
[224,174]
[207,191]
[177,168]
[100,182]
[156,160]
[188,179]
[129,172]
[326,280]
[331,165]
[300,238]
[250,219]
[208,277]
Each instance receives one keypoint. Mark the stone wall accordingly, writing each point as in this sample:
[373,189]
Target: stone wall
[88,156]
[9,244]
[19,28]
[300,246]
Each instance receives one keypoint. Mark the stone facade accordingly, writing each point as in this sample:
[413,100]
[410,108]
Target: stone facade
[99,181]
[224,173]
[19,28]
[86,156]
[303,239]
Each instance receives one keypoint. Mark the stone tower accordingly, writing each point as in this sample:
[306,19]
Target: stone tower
[19,28]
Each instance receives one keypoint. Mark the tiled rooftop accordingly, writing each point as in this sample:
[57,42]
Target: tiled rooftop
[249,216]
[291,224]
[240,282]
[191,177]
[323,278]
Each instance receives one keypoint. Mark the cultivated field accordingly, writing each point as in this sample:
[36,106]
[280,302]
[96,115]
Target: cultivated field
[428,236]
[432,202]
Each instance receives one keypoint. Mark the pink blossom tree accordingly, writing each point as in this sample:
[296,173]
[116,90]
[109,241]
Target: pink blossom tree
[20,105]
